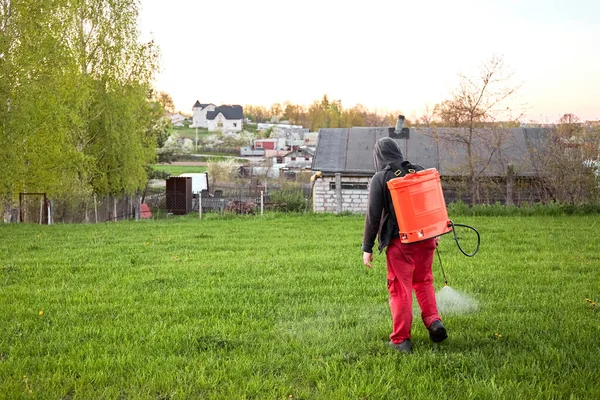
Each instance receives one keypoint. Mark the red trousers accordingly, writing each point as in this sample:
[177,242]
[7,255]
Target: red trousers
[409,267]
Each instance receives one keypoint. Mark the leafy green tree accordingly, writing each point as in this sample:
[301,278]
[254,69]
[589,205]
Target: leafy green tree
[74,106]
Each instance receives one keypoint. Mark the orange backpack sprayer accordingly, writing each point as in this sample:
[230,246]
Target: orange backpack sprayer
[419,205]
[420,208]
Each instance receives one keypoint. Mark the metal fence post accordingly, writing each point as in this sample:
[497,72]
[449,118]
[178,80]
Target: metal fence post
[50,211]
[96,207]
[262,202]
[136,207]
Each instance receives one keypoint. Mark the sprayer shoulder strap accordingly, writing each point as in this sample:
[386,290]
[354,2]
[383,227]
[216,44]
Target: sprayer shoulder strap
[392,172]
[403,169]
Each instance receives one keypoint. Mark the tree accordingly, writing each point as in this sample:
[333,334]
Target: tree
[75,82]
[568,126]
[257,114]
[276,112]
[166,101]
[221,171]
[478,101]
[567,162]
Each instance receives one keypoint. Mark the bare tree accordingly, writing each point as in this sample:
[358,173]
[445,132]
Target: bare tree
[475,107]
[568,162]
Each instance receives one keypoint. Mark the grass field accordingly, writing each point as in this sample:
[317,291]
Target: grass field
[176,170]
[281,307]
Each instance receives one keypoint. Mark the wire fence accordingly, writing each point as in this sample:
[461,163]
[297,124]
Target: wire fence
[245,196]
[239,198]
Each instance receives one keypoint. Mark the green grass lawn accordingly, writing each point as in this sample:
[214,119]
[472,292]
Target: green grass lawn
[281,307]
[190,133]
[176,170]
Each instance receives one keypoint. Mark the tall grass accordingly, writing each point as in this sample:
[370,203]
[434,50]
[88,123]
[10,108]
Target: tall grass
[281,307]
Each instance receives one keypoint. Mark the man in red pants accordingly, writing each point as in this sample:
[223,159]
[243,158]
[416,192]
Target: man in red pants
[408,264]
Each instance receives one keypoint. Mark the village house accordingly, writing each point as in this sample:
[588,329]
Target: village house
[199,111]
[177,119]
[300,158]
[225,118]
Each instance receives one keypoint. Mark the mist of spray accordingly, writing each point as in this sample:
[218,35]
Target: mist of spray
[450,301]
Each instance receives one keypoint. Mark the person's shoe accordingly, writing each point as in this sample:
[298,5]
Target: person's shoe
[437,331]
[404,347]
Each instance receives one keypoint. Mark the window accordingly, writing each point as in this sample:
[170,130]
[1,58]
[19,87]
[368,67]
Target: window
[279,160]
[306,158]
[350,186]
[235,124]
[220,124]
[293,158]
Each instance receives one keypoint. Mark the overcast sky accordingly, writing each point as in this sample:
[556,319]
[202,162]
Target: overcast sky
[386,55]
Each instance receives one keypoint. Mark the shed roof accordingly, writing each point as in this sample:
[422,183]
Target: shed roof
[350,150]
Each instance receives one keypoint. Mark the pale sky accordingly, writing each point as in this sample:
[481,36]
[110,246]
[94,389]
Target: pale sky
[386,55]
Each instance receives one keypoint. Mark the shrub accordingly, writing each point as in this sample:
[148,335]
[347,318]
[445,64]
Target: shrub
[293,198]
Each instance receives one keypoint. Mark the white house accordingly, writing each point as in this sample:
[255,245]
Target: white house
[177,119]
[199,114]
[226,118]
[297,159]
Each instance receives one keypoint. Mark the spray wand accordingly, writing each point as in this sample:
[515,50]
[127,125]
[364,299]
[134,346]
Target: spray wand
[441,266]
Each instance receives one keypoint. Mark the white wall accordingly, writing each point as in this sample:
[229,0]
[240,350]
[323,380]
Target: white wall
[199,116]
[299,162]
[228,125]
[325,200]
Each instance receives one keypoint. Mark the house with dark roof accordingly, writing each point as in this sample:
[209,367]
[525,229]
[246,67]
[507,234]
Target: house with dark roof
[344,159]
[226,118]
[299,158]
[199,111]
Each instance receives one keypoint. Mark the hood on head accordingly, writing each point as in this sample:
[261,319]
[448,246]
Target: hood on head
[385,152]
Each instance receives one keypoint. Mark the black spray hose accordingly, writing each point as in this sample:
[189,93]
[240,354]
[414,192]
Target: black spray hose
[458,244]
[452,224]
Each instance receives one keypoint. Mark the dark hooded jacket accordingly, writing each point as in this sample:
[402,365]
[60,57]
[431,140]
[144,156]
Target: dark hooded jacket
[387,156]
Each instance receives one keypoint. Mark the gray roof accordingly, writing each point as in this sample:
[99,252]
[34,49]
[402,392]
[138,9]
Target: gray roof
[201,105]
[229,112]
[350,150]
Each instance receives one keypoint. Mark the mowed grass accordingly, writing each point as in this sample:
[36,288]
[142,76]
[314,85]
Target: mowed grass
[281,307]
[176,170]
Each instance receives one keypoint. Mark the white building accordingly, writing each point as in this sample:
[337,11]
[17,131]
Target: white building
[300,158]
[177,119]
[199,114]
[224,118]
